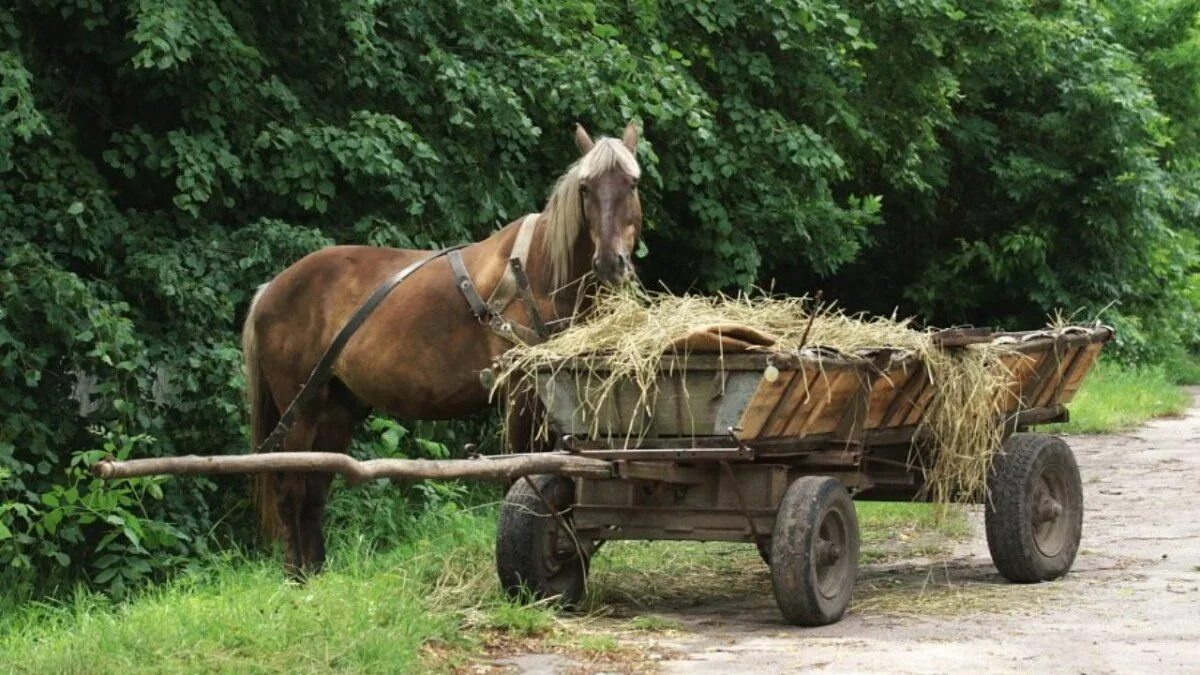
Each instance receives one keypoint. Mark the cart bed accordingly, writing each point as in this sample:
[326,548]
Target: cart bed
[817,393]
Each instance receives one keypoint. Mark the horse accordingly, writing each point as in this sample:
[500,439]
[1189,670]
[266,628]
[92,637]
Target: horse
[420,354]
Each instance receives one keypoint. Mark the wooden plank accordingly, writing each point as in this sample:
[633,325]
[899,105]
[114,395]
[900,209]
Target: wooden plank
[777,421]
[1074,380]
[884,393]
[814,398]
[834,391]
[922,400]
[763,403]
[896,411]
[961,337]
[797,401]
[1032,388]
[1055,379]
[1025,370]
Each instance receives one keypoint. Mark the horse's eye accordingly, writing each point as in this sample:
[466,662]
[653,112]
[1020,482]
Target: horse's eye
[583,189]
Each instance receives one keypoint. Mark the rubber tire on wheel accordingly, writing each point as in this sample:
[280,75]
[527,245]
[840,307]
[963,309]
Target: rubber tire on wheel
[1034,512]
[535,559]
[814,551]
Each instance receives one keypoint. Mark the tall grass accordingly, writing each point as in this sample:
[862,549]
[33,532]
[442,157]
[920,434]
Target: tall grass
[372,611]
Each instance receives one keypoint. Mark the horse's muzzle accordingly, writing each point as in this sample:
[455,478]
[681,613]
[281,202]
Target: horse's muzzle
[613,269]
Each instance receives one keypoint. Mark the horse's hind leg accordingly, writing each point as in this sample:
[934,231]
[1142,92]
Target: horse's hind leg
[311,537]
[290,496]
[292,490]
[334,434]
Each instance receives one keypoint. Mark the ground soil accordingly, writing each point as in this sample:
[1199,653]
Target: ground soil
[1131,603]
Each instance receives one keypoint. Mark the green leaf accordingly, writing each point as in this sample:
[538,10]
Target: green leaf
[106,575]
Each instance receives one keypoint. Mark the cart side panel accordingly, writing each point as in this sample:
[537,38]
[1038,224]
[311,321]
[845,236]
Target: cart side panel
[805,401]
[920,401]
[1022,367]
[1074,378]
[841,385]
[767,397]
[892,394]
[1071,370]
[691,403]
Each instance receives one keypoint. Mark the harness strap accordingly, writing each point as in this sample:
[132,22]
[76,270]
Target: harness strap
[462,279]
[506,291]
[513,284]
[321,372]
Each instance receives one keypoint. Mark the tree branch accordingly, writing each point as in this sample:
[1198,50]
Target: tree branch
[499,468]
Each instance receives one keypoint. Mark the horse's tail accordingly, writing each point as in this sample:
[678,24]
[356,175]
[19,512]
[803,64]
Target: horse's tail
[264,415]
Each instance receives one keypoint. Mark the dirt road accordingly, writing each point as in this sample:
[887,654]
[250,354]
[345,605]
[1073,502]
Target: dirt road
[1131,604]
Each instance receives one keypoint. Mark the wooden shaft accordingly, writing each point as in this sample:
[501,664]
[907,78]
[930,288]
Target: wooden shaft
[499,468]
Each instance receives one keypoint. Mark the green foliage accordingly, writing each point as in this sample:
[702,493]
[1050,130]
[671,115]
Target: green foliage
[110,521]
[973,161]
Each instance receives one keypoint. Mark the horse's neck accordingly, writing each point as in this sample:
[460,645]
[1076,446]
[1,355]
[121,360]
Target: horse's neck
[565,296]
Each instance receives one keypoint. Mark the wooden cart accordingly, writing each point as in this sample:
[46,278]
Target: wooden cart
[771,448]
[764,448]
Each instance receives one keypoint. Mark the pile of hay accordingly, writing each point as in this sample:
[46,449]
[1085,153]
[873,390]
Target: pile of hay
[634,331]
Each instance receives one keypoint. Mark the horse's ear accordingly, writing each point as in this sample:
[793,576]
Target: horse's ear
[582,140]
[630,137]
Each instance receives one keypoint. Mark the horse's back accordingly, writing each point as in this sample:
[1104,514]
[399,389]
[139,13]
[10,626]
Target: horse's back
[417,355]
[335,274]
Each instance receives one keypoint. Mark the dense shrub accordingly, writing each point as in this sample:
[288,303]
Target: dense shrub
[974,161]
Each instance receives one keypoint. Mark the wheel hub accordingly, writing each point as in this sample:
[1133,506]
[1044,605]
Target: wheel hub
[1046,512]
[829,555]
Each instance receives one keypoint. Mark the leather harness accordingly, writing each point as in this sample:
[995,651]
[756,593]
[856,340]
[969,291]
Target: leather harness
[514,284]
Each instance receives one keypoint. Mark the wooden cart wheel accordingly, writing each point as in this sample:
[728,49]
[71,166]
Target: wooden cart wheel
[814,551]
[1034,514]
[536,557]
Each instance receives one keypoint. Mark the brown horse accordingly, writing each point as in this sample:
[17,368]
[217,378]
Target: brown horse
[419,355]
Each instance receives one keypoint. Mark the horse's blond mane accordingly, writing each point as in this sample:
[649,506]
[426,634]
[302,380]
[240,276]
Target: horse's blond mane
[564,210]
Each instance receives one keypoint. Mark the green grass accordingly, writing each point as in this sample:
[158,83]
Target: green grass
[1117,398]
[1184,368]
[432,602]
[654,624]
[372,611]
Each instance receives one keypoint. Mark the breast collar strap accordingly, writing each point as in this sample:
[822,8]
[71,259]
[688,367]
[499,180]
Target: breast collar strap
[512,285]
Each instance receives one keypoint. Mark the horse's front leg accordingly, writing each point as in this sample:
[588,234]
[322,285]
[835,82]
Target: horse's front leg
[525,426]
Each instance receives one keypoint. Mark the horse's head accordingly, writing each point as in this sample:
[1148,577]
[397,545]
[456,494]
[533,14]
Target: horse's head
[611,209]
